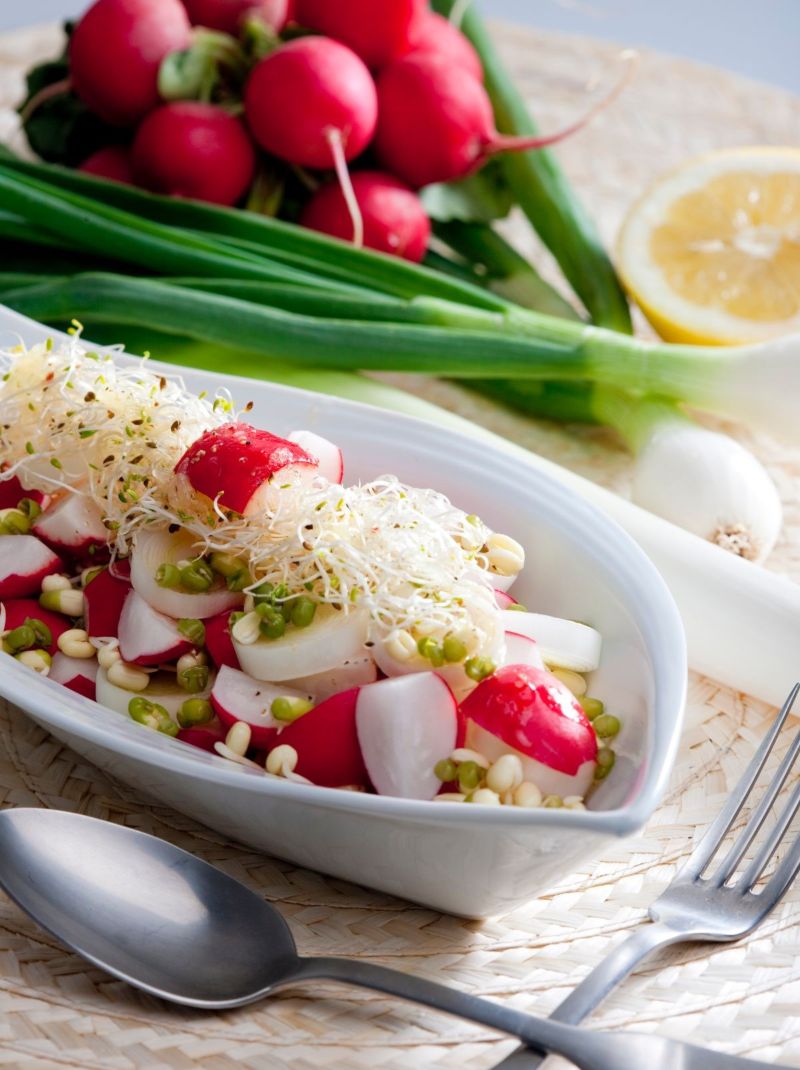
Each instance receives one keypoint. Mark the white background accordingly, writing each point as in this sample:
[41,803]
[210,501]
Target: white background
[760,39]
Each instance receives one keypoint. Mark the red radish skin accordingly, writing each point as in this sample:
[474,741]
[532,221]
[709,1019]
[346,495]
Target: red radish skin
[73,527]
[112,163]
[104,597]
[329,458]
[12,492]
[218,641]
[435,35]
[305,90]
[394,220]
[147,637]
[504,599]
[377,32]
[76,674]
[522,650]
[236,696]
[203,736]
[241,467]
[195,150]
[24,563]
[326,741]
[115,53]
[530,710]
[228,15]
[18,610]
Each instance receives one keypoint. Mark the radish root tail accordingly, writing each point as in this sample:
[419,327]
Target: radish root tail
[343,174]
[56,89]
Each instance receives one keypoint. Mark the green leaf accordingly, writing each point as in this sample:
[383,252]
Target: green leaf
[480,198]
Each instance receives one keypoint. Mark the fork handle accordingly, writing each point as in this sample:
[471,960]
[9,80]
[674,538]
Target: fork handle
[604,978]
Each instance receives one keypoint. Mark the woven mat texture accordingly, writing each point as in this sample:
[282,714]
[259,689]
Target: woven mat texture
[56,1012]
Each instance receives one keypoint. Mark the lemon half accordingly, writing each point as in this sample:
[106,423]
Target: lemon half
[711,252]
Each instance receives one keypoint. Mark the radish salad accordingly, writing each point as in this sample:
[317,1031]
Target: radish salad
[224,585]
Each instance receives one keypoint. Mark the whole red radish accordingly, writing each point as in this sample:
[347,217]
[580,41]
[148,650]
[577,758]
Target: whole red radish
[436,123]
[394,220]
[18,610]
[195,150]
[378,32]
[115,53]
[227,15]
[307,93]
[326,741]
[437,36]
[113,162]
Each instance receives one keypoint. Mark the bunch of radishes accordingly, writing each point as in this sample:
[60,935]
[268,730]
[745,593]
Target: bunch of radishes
[364,103]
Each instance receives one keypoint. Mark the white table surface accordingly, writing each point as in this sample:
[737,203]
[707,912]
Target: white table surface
[761,39]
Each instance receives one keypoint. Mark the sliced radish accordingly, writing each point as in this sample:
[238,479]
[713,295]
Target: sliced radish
[328,457]
[527,711]
[405,726]
[78,674]
[18,610]
[73,526]
[502,583]
[238,697]
[24,563]
[331,639]
[326,741]
[203,736]
[152,549]
[522,650]
[103,599]
[563,644]
[163,689]
[454,675]
[243,468]
[147,637]
[504,600]
[218,641]
[355,672]
[12,492]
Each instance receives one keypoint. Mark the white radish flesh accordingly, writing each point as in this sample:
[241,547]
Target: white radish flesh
[72,526]
[563,644]
[328,456]
[155,548]
[522,650]
[238,697]
[503,599]
[24,563]
[332,638]
[162,689]
[147,637]
[405,726]
[548,780]
[78,674]
[355,672]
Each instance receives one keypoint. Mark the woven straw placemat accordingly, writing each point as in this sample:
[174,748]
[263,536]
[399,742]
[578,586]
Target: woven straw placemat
[57,1012]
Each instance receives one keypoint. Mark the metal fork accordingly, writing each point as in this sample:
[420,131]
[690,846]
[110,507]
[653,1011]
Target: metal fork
[700,905]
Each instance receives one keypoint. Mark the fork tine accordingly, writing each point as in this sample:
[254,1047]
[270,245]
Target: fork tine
[770,845]
[737,851]
[705,850]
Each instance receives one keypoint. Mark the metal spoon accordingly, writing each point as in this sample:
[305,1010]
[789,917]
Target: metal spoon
[164,921]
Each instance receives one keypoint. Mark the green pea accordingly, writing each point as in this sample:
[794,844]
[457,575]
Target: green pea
[195,711]
[478,668]
[453,649]
[430,649]
[287,709]
[517,607]
[168,575]
[44,637]
[29,507]
[303,612]
[14,522]
[239,580]
[605,763]
[19,639]
[193,630]
[197,576]
[263,593]
[272,625]
[194,679]
[234,617]
[470,775]
[89,574]
[225,564]
[553,802]
[446,770]
[592,707]
[606,726]
[151,715]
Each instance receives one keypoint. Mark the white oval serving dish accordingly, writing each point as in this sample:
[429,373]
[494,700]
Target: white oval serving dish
[469,860]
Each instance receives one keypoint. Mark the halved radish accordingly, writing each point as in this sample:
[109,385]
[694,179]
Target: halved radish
[529,712]
[163,689]
[151,549]
[18,610]
[78,674]
[328,457]
[238,697]
[326,741]
[243,468]
[218,641]
[103,599]
[563,644]
[203,736]
[405,726]
[522,650]
[24,563]
[355,672]
[331,639]
[147,637]
[73,526]
[12,492]
[504,600]
[454,674]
